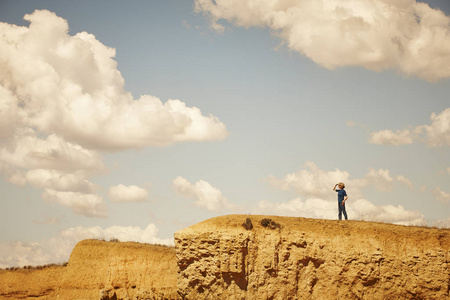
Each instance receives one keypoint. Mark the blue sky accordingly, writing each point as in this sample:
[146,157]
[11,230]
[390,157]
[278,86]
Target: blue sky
[133,120]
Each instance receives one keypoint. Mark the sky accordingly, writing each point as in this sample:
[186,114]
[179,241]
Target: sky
[135,119]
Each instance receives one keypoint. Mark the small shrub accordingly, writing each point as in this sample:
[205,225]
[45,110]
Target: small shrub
[248,224]
[114,240]
[269,223]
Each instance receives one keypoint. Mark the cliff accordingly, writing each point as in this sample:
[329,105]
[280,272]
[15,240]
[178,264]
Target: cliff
[99,270]
[253,257]
[231,257]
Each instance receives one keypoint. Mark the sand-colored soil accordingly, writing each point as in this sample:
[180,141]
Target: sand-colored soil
[236,257]
[99,270]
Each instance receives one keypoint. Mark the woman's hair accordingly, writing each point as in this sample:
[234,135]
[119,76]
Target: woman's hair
[342,184]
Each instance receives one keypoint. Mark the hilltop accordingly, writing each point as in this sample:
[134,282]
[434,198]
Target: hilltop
[261,257]
[99,270]
[252,257]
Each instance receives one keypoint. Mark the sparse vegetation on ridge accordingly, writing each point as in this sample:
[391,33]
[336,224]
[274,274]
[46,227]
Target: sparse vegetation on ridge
[39,267]
[248,224]
[269,223]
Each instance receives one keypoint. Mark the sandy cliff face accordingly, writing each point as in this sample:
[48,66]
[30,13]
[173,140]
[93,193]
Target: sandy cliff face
[311,259]
[100,270]
[36,284]
[290,258]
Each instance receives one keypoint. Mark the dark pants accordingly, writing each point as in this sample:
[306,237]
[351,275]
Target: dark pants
[341,208]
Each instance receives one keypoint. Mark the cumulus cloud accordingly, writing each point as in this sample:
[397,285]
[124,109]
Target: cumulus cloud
[441,196]
[445,223]
[89,205]
[436,134]
[132,193]
[389,137]
[58,249]
[63,103]
[60,181]
[27,151]
[59,167]
[313,182]
[402,179]
[308,208]
[203,194]
[396,214]
[360,209]
[380,179]
[316,200]
[70,86]
[408,36]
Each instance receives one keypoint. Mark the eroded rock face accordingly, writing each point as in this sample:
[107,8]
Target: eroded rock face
[311,259]
[231,257]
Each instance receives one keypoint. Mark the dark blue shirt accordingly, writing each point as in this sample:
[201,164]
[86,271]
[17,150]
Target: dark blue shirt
[341,195]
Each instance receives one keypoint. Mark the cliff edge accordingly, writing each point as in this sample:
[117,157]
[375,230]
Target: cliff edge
[261,257]
[252,257]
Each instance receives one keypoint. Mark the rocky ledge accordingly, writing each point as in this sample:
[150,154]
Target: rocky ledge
[260,257]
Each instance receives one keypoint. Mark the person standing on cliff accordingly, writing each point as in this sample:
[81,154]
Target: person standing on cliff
[342,197]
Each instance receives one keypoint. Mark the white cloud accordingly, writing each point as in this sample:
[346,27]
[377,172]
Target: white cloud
[59,167]
[314,186]
[313,182]
[89,205]
[308,208]
[8,113]
[27,151]
[408,36]
[58,249]
[436,134]
[132,193]
[441,196]
[358,209]
[445,223]
[388,137]
[63,101]
[366,210]
[70,86]
[380,179]
[402,179]
[60,181]
[203,193]
[123,233]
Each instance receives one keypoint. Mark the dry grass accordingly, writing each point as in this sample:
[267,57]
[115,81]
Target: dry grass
[39,267]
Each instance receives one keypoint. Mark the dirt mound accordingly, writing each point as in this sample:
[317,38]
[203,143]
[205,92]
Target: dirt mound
[99,270]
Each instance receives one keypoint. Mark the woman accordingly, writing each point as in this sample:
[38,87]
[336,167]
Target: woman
[342,197]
